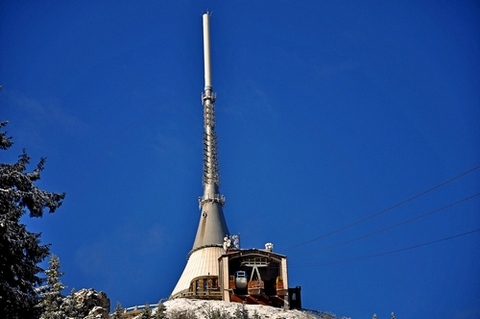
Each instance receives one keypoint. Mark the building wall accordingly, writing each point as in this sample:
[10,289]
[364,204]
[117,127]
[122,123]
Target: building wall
[202,262]
[266,275]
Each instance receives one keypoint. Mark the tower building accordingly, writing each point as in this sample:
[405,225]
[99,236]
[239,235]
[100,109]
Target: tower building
[212,227]
[216,267]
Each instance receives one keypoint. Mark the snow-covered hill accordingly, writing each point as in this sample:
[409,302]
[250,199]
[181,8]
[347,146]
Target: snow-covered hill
[200,309]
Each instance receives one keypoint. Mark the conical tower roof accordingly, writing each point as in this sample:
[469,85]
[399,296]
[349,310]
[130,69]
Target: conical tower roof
[212,227]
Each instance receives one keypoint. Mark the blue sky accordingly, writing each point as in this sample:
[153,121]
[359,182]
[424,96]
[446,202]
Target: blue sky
[327,112]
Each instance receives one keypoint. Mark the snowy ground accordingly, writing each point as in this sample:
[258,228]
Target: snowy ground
[202,308]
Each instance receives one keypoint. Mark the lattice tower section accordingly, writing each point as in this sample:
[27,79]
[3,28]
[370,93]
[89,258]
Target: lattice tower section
[210,155]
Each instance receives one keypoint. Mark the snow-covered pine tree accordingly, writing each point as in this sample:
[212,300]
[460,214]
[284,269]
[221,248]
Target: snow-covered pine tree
[256,315]
[20,249]
[147,312]
[118,313]
[160,313]
[51,299]
[215,313]
[241,312]
[69,306]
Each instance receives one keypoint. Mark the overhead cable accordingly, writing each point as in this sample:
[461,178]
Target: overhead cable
[386,209]
[393,226]
[347,260]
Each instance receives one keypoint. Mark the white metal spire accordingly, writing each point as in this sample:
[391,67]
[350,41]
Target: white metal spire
[206,50]
[210,165]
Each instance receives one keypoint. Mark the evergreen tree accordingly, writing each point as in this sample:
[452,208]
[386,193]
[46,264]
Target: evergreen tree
[182,314]
[160,313]
[147,312]
[118,313]
[20,249]
[51,299]
[69,306]
[241,312]
[215,313]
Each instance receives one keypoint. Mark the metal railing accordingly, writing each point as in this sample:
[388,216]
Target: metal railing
[138,308]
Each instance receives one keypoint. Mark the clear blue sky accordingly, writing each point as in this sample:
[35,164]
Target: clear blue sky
[327,112]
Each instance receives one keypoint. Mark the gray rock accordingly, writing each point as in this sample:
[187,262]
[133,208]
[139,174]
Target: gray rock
[92,304]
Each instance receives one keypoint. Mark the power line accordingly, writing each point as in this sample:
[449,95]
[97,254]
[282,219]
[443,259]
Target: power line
[386,209]
[347,260]
[393,226]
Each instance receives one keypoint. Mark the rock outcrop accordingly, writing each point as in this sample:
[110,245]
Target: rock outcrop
[91,304]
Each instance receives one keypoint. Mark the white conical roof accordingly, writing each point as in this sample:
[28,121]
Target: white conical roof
[202,262]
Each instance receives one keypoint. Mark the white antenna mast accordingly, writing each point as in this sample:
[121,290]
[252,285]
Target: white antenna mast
[211,177]
[212,227]
[206,51]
